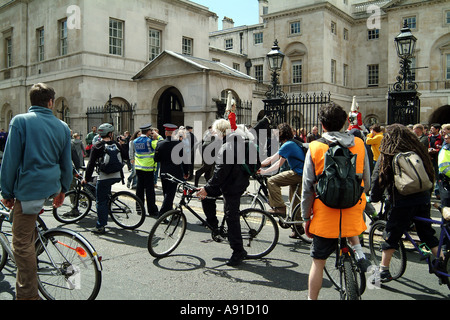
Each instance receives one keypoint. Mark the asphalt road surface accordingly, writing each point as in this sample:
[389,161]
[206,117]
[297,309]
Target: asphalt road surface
[196,272]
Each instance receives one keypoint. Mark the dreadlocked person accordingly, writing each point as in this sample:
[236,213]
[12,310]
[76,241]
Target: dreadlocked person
[399,138]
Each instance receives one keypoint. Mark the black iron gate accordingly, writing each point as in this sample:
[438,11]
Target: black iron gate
[403,107]
[120,116]
[299,111]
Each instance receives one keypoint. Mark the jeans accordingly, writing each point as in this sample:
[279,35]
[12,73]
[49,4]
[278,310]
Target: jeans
[145,185]
[103,193]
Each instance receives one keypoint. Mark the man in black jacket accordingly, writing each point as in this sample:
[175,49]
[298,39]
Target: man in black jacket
[229,179]
[163,155]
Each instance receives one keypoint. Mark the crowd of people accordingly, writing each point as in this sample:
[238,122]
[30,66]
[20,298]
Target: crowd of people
[298,161]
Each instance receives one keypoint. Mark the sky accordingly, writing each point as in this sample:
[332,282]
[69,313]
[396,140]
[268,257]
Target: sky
[243,12]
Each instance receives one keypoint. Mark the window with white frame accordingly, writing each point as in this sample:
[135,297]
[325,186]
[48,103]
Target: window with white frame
[63,37]
[228,44]
[297,71]
[345,75]
[372,75]
[9,52]
[447,17]
[373,34]
[333,71]
[345,34]
[41,44]
[258,38]
[154,43]
[447,77]
[294,28]
[413,68]
[116,37]
[187,46]
[411,22]
[236,66]
[333,27]
[259,73]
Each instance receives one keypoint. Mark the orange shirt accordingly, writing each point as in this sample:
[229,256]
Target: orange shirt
[325,220]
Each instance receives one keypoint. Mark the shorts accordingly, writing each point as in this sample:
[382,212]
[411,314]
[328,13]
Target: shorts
[322,248]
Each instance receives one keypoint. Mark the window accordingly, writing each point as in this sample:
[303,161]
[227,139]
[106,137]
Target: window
[294,27]
[345,34]
[411,22]
[345,75]
[236,66]
[258,38]
[372,75]
[228,44]
[116,37]
[187,46]
[154,43]
[447,17]
[333,27]
[259,73]
[413,68]
[448,68]
[297,71]
[9,56]
[373,34]
[40,43]
[333,71]
[63,37]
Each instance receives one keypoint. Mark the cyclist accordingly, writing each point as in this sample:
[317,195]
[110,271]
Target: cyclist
[325,224]
[399,138]
[36,165]
[105,180]
[229,179]
[293,153]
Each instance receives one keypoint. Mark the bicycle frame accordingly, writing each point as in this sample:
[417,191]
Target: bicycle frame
[432,263]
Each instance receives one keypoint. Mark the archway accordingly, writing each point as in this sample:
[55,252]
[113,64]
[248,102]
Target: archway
[170,108]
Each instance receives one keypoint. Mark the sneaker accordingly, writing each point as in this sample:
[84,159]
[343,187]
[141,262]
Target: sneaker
[363,264]
[280,211]
[100,230]
[237,258]
[385,276]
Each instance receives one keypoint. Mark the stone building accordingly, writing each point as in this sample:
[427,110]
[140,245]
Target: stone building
[139,61]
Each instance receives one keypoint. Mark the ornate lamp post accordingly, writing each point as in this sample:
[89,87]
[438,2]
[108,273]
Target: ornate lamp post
[275,96]
[403,98]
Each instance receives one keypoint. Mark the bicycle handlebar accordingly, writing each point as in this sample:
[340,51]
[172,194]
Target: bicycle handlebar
[186,186]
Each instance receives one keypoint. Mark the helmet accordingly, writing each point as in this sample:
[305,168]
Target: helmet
[104,129]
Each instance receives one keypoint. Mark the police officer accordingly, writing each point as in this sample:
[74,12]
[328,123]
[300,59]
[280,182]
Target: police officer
[163,155]
[145,167]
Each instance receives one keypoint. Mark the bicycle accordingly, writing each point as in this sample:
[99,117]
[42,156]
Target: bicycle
[293,217]
[344,272]
[68,267]
[125,208]
[258,228]
[438,266]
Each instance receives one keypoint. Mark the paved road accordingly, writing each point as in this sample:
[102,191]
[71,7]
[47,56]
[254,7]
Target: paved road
[196,271]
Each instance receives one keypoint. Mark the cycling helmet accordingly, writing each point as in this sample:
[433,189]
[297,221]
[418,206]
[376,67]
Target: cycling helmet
[105,129]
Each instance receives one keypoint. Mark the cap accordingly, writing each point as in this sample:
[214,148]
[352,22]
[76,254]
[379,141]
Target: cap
[146,126]
[170,127]
[189,128]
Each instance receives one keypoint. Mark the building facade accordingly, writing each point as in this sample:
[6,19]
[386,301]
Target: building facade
[158,61]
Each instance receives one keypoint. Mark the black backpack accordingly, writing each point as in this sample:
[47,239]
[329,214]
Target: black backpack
[339,186]
[112,159]
[252,161]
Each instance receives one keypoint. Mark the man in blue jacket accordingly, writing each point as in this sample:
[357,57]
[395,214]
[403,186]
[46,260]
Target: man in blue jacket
[36,165]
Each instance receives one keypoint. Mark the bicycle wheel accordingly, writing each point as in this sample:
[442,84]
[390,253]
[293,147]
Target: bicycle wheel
[376,238]
[3,253]
[446,269]
[75,207]
[298,228]
[332,271]
[259,232]
[351,289]
[166,233]
[251,201]
[68,266]
[127,210]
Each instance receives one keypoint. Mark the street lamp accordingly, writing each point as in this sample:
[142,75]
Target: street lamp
[403,98]
[405,44]
[275,58]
